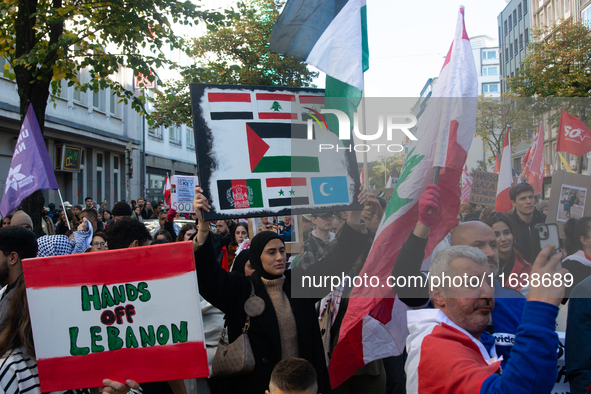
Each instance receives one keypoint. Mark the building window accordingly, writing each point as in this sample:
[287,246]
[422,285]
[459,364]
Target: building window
[173,135]
[511,50]
[521,41]
[100,180]
[514,17]
[510,23]
[517,164]
[517,71]
[586,15]
[525,7]
[558,4]
[78,95]
[116,178]
[489,55]
[490,88]
[566,6]
[519,11]
[512,74]
[515,45]
[505,25]
[506,55]
[490,70]
[155,132]
[190,138]
[550,15]
[526,36]
[99,100]
[81,192]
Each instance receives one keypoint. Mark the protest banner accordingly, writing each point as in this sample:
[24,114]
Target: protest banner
[570,198]
[484,188]
[121,314]
[258,155]
[182,193]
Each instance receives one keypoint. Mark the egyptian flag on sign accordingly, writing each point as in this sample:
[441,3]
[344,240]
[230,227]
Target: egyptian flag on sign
[240,194]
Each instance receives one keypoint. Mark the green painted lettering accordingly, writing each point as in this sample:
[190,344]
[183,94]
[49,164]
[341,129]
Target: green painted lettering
[87,297]
[145,296]
[147,338]
[107,298]
[131,292]
[130,339]
[162,335]
[180,335]
[94,338]
[74,349]
[113,338]
[119,294]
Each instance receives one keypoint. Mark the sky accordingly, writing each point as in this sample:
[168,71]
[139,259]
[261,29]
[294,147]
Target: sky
[408,40]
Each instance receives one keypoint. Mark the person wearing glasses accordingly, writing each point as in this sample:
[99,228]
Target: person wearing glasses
[98,243]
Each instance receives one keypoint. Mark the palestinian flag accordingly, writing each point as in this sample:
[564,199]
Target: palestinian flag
[270,146]
[240,194]
[285,192]
[374,326]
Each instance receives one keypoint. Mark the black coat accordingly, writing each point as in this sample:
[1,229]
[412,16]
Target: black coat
[228,292]
[525,235]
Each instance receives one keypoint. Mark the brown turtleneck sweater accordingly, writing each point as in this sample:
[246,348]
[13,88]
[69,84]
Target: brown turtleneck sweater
[287,324]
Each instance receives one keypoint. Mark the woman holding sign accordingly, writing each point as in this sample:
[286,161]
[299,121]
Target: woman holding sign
[287,326]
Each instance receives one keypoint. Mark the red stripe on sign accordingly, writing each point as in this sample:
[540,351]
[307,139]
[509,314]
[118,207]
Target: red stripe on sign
[278,115]
[229,97]
[110,267]
[150,364]
[275,97]
[285,182]
[240,194]
[312,99]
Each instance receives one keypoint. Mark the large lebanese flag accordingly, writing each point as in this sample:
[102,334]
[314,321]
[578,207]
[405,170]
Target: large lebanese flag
[167,190]
[374,325]
[534,166]
[573,136]
[503,202]
[121,314]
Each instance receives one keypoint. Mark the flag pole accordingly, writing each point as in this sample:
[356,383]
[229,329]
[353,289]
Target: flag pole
[365,169]
[62,201]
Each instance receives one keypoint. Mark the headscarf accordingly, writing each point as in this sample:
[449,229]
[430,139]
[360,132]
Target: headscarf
[240,261]
[257,245]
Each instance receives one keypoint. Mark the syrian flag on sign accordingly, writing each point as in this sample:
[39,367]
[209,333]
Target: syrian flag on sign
[466,185]
[573,136]
[30,168]
[534,166]
[167,191]
[503,202]
[374,325]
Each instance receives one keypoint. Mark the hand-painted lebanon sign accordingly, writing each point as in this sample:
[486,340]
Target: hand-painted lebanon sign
[122,314]
[259,156]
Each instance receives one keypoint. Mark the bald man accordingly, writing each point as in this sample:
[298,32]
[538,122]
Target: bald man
[509,303]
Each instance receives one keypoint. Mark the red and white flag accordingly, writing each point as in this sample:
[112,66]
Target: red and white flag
[374,325]
[573,136]
[466,185]
[534,166]
[167,190]
[503,202]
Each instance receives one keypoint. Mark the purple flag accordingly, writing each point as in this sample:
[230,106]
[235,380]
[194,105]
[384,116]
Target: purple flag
[30,168]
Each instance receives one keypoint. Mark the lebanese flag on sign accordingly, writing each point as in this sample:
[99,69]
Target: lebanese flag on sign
[167,190]
[534,166]
[466,185]
[503,202]
[573,136]
[374,326]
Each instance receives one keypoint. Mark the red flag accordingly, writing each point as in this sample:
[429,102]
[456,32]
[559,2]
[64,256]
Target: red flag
[573,136]
[526,157]
[466,185]
[497,164]
[167,191]
[503,203]
[534,166]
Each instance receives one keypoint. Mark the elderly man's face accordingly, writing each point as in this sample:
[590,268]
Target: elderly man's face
[470,307]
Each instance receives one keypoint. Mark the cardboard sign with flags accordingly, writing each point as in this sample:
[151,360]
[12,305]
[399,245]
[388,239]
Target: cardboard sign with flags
[258,152]
[121,314]
[30,168]
[374,326]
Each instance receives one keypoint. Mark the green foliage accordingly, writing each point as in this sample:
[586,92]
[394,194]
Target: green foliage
[47,41]
[496,113]
[382,167]
[237,53]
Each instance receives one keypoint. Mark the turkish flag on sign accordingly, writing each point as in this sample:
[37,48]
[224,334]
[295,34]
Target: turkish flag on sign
[573,136]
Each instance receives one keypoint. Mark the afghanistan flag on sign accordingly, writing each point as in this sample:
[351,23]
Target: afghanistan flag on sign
[243,193]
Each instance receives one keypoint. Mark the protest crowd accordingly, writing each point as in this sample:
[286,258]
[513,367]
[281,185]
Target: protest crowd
[292,339]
